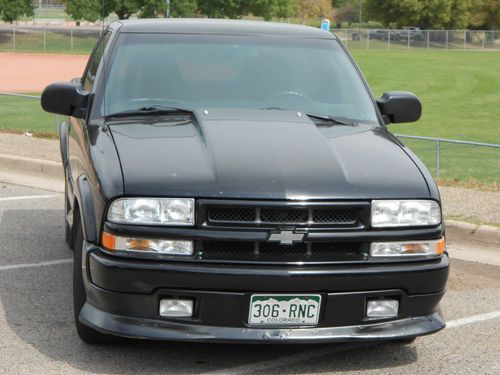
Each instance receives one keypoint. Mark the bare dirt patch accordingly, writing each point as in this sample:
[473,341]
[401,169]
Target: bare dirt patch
[31,72]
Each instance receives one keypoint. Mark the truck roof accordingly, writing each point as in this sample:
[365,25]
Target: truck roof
[221,27]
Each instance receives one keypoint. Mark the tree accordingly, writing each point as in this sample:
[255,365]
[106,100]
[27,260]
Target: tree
[285,8]
[178,8]
[346,13]
[267,9]
[264,8]
[430,14]
[486,14]
[461,13]
[88,10]
[434,14]
[183,8]
[400,12]
[224,8]
[11,10]
[125,8]
[306,9]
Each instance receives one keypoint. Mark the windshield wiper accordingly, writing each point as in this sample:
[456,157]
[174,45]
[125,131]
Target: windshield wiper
[150,111]
[333,119]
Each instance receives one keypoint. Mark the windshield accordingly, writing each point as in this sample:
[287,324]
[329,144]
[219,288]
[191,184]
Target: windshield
[213,71]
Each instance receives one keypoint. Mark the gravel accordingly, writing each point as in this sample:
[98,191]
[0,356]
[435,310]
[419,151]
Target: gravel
[29,147]
[471,205]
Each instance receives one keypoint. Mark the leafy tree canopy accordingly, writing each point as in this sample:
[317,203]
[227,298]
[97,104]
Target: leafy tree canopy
[11,10]
[306,9]
[437,14]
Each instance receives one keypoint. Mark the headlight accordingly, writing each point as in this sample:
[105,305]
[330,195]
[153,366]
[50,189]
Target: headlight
[407,248]
[154,211]
[405,213]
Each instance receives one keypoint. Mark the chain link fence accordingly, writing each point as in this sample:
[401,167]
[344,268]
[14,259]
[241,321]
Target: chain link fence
[452,159]
[82,39]
[46,39]
[404,39]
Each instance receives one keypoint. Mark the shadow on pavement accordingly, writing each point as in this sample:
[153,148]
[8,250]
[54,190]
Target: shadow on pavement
[38,309]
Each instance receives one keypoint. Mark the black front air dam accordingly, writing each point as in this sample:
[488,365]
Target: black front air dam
[162,330]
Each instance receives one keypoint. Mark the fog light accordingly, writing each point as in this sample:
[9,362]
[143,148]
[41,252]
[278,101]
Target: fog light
[382,308]
[177,308]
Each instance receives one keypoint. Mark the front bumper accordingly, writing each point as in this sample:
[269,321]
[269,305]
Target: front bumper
[123,297]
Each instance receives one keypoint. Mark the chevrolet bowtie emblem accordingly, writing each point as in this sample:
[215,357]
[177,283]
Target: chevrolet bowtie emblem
[286,237]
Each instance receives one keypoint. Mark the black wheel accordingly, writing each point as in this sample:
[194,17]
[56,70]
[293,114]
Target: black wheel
[85,333]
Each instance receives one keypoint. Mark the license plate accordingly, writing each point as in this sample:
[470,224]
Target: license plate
[284,309]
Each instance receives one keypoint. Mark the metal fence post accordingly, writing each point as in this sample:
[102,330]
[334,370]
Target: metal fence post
[428,32]
[465,39]
[438,158]
[484,37]
[367,38]
[408,39]
[446,39]
[44,39]
[71,38]
[14,39]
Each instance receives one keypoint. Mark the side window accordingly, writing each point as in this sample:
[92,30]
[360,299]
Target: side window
[95,60]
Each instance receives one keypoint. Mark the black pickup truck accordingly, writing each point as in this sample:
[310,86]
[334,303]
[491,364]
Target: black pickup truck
[235,181]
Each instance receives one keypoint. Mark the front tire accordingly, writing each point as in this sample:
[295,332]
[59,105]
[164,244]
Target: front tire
[85,333]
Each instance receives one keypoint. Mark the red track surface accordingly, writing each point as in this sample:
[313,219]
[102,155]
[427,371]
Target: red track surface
[27,72]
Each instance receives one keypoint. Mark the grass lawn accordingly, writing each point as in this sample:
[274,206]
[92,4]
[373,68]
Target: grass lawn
[460,92]
[25,115]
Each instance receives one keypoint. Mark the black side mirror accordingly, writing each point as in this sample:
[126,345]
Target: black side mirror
[399,106]
[65,98]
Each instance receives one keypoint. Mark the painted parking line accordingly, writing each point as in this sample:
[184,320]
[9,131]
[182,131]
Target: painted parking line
[473,319]
[7,199]
[303,356]
[34,265]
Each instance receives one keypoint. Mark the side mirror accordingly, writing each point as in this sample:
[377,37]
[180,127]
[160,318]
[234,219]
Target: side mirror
[65,98]
[399,106]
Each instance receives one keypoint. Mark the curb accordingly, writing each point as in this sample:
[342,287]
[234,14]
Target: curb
[40,167]
[458,231]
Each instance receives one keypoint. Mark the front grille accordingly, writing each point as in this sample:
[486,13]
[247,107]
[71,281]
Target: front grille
[247,250]
[331,216]
[232,214]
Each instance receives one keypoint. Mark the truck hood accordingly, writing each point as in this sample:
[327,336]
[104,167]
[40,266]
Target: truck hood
[262,154]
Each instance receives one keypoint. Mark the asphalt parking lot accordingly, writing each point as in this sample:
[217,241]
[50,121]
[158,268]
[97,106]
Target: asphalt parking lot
[37,335]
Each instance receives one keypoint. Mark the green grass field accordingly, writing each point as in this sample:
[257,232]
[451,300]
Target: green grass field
[460,92]
[25,115]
